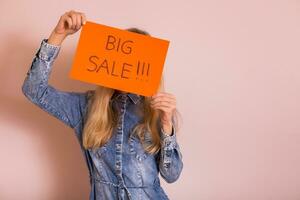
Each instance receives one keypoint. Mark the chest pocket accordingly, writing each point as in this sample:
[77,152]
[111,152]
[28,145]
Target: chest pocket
[136,147]
[101,152]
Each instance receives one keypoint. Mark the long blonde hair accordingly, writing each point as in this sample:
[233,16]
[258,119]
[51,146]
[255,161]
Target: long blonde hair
[101,118]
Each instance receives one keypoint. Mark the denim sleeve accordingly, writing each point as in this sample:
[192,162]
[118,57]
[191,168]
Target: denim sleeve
[170,162]
[65,106]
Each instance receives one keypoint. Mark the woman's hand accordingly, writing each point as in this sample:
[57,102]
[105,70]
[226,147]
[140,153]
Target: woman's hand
[166,103]
[68,24]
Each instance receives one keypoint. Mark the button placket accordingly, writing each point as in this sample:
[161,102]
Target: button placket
[119,139]
[119,143]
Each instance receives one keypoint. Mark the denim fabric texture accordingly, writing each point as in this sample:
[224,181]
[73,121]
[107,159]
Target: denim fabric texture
[120,169]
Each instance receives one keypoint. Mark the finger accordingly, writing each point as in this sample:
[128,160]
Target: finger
[71,12]
[173,103]
[163,108]
[165,104]
[78,22]
[69,22]
[83,18]
[154,101]
[169,96]
[74,20]
[164,94]
[167,99]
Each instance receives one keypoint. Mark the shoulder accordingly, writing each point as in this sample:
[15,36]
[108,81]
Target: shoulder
[88,95]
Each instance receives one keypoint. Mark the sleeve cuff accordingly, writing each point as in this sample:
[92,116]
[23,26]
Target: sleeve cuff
[169,141]
[48,52]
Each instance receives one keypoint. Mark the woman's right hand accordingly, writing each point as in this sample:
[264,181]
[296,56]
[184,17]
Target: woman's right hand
[68,24]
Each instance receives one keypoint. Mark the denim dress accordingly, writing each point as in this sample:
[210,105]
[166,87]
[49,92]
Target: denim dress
[121,168]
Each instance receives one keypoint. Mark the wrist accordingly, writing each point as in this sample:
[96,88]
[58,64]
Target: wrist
[167,129]
[56,38]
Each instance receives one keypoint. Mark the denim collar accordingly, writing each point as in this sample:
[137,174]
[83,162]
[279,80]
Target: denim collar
[134,97]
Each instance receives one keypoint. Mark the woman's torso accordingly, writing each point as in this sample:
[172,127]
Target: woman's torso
[122,169]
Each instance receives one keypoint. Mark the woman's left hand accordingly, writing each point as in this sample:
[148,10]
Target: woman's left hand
[165,102]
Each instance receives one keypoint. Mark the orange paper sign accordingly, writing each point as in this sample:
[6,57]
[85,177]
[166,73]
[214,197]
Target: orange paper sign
[119,59]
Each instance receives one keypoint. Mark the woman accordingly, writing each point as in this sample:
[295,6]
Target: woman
[126,139]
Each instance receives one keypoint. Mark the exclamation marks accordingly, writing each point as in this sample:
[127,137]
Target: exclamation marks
[142,71]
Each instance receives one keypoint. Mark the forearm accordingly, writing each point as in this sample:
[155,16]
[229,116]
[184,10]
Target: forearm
[170,164]
[39,71]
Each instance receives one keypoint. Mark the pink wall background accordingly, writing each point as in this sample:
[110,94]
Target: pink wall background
[233,65]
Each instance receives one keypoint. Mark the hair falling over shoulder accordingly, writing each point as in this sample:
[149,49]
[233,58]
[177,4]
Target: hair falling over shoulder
[102,119]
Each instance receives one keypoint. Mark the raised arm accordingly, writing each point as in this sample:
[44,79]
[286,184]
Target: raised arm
[65,106]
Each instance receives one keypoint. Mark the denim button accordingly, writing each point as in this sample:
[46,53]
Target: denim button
[118,146]
[168,153]
[166,165]
[139,158]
